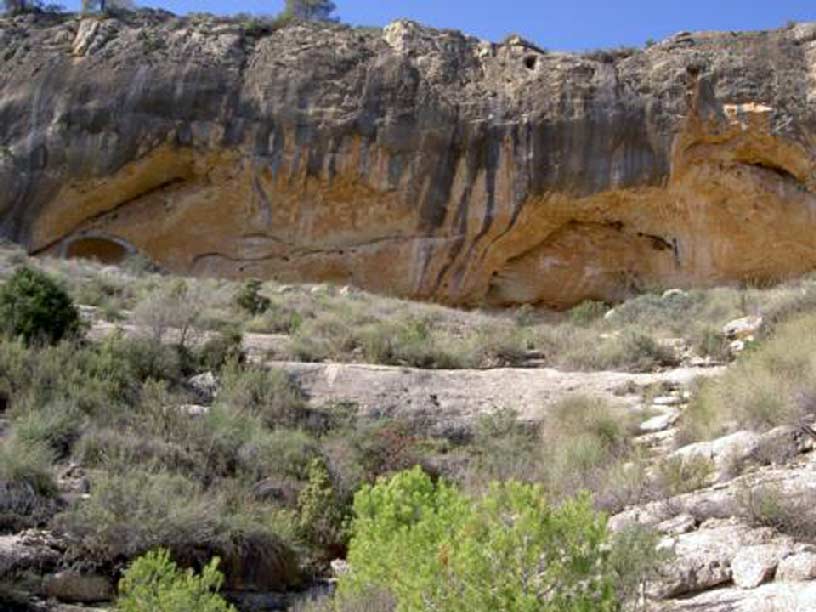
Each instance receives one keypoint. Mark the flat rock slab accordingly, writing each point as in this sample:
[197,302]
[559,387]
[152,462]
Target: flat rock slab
[772,597]
[462,394]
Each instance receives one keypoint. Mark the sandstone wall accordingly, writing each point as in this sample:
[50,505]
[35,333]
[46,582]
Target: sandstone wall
[412,161]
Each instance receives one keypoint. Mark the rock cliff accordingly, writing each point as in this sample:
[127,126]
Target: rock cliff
[412,161]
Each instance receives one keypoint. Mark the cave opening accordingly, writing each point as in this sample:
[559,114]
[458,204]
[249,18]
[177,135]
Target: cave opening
[104,250]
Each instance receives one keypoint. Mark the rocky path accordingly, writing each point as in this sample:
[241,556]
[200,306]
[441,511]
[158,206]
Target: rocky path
[462,395]
[455,395]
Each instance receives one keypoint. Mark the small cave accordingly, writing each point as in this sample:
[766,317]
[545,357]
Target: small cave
[530,62]
[104,250]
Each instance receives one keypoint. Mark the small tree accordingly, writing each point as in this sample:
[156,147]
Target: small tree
[16,7]
[432,547]
[320,513]
[310,10]
[33,306]
[155,582]
[249,298]
[108,5]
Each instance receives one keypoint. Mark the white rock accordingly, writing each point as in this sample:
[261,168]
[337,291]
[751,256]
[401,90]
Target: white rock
[756,564]
[724,451]
[660,423]
[797,568]
[205,386]
[340,567]
[670,293]
[741,328]
[682,523]
[193,410]
[667,400]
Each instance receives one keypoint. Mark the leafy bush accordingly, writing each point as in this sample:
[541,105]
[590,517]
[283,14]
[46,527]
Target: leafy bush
[34,307]
[320,512]
[155,582]
[249,298]
[432,547]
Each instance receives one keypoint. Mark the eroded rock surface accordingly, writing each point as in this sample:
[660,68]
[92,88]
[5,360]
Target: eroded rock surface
[408,160]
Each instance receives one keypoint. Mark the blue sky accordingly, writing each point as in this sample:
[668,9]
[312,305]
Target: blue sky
[554,24]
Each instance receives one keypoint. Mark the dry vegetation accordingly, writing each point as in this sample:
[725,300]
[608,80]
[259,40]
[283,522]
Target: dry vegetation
[262,469]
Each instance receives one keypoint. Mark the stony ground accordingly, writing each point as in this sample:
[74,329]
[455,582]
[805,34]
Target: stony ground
[721,562]
[739,536]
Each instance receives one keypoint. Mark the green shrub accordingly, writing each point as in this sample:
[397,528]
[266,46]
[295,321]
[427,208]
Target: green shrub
[320,512]
[56,426]
[134,511]
[432,547]
[155,582]
[249,298]
[267,393]
[504,448]
[584,441]
[587,312]
[282,453]
[220,349]
[636,560]
[29,464]
[34,307]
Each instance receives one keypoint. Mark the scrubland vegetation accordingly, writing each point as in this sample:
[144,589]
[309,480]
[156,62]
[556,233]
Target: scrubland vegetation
[263,475]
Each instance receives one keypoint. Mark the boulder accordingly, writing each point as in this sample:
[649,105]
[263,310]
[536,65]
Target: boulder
[682,523]
[76,587]
[754,565]
[29,550]
[742,329]
[204,386]
[798,567]
[703,558]
[724,452]
[770,597]
[660,422]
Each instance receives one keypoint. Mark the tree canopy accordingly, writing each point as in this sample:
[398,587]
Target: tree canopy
[310,10]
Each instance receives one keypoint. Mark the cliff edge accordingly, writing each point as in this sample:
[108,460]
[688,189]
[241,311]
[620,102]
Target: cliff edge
[411,161]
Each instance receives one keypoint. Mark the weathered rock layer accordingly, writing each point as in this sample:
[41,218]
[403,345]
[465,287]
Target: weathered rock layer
[411,161]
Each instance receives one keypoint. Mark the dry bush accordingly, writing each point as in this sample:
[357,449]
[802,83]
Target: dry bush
[174,312]
[767,505]
[676,476]
[769,386]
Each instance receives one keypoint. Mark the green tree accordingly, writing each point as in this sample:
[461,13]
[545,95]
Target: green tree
[33,306]
[432,547]
[21,6]
[310,10]
[320,514]
[250,299]
[155,583]
[108,5]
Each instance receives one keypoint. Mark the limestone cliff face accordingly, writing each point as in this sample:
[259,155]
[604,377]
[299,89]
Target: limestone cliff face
[411,161]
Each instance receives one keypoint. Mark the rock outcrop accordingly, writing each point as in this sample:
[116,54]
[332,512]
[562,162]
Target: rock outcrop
[412,161]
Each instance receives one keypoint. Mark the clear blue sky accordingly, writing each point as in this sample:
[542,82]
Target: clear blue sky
[554,24]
